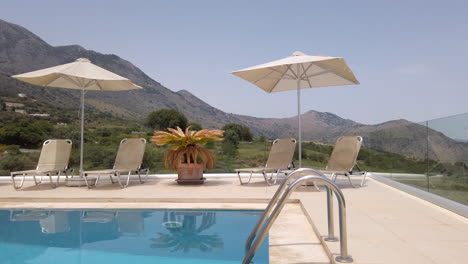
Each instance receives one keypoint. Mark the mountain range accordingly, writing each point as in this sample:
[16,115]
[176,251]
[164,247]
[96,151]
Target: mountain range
[22,51]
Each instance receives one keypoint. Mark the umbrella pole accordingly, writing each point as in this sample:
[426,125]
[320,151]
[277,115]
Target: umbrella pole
[299,121]
[82,131]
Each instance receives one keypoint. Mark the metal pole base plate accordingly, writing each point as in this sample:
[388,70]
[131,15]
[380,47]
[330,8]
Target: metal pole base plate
[331,239]
[78,182]
[348,259]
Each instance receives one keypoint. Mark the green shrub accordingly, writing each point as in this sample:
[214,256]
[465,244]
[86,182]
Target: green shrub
[166,118]
[242,131]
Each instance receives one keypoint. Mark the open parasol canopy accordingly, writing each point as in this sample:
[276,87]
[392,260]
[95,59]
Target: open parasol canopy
[80,74]
[297,72]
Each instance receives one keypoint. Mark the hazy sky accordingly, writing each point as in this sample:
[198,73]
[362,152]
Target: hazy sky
[410,56]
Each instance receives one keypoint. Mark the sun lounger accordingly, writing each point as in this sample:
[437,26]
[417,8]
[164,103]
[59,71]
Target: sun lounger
[128,160]
[53,160]
[280,158]
[343,159]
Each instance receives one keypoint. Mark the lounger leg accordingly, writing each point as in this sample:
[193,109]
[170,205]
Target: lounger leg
[139,176]
[363,181]
[278,172]
[112,179]
[35,181]
[240,179]
[17,187]
[266,179]
[349,179]
[276,178]
[316,187]
[146,175]
[97,180]
[51,181]
[85,177]
[128,178]
[118,180]
[58,178]
[334,176]
[277,175]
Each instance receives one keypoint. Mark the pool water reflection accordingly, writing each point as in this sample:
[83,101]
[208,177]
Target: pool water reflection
[120,236]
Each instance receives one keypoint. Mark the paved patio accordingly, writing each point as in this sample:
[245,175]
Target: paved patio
[385,225]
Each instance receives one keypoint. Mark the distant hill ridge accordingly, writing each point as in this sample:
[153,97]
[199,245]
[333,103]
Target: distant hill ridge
[22,51]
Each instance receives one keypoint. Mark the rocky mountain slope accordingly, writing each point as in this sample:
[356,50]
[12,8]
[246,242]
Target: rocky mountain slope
[22,51]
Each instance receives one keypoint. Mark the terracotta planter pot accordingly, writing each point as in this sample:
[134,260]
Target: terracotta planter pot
[190,172]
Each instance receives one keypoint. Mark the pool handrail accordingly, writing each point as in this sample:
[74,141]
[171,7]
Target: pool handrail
[284,191]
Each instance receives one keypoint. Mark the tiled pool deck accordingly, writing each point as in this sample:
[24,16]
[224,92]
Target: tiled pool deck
[385,225]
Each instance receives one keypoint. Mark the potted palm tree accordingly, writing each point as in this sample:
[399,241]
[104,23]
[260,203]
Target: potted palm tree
[187,156]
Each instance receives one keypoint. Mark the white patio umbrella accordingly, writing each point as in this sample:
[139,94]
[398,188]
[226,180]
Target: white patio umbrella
[82,75]
[297,72]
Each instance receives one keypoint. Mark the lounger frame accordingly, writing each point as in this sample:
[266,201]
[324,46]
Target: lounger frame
[280,158]
[343,159]
[125,163]
[53,161]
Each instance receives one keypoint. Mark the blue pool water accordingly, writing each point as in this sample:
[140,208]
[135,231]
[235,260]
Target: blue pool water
[126,236]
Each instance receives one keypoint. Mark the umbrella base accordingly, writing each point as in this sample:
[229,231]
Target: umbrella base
[79,182]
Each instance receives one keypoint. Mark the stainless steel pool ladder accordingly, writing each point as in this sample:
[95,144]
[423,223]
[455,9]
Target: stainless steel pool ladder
[278,201]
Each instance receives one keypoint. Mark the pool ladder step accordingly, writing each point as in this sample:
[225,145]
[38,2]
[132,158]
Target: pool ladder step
[291,183]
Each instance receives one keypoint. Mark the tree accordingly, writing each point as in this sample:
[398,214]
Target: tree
[230,143]
[166,118]
[232,137]
[242,131]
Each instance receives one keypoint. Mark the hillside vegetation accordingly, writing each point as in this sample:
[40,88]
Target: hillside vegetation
[103,134]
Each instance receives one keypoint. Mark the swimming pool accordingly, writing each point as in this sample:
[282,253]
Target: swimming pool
[127,236]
